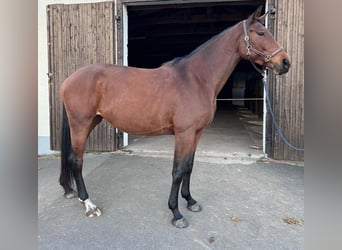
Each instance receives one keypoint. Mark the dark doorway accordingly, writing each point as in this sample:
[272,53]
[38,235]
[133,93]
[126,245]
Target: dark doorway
[159,33]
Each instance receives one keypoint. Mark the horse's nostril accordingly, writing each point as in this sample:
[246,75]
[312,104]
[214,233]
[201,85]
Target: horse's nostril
[286,63]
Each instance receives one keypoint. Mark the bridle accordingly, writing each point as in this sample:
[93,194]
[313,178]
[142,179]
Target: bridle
[251,49]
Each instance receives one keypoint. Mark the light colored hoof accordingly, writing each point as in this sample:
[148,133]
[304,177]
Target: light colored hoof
[195,208]
[181,223]
[93,212]
[91,209]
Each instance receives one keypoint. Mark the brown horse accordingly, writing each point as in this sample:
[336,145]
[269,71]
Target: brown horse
[177,98]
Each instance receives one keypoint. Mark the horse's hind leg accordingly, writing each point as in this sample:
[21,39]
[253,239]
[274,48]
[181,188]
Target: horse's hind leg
[79,136]
[91,208]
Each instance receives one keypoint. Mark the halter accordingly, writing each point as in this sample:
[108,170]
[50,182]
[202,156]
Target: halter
[251,49]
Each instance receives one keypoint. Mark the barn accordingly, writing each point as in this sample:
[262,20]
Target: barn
[146,33]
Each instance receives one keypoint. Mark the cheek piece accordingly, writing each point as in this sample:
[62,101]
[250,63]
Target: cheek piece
[250,49]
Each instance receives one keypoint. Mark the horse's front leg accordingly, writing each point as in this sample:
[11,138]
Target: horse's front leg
[185,144]
[192,203]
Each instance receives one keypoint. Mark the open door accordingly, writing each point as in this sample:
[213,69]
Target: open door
[78,35]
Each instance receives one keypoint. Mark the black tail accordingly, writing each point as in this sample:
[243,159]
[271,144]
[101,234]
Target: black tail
[66,177]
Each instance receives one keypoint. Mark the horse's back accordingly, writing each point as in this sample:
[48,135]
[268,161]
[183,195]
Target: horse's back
[139,101]
[86,77]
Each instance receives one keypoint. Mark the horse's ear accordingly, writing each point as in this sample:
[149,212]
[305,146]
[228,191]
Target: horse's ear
[262,18]
[256,15]
[258,12]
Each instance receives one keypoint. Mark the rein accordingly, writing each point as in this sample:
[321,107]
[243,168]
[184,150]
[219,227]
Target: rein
[251,49]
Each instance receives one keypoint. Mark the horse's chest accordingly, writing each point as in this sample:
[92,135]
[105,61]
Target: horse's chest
[197,116]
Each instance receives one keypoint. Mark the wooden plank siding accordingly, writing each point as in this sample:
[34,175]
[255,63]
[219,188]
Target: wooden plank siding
[79,34]
[287,92]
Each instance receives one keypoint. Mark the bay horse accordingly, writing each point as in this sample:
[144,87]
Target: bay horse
[177,98]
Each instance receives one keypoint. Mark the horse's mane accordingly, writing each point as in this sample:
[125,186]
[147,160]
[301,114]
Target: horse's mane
[176,60]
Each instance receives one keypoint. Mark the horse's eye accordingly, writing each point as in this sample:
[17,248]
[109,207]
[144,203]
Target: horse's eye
[261,33]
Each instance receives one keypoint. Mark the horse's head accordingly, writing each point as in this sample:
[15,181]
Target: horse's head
[258,45]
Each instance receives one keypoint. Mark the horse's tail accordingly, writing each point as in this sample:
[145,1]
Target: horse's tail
[66,177]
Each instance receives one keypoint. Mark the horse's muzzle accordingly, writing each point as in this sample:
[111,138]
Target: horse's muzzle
[282,66]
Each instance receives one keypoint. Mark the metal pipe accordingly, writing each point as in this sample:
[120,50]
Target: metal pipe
[240,99]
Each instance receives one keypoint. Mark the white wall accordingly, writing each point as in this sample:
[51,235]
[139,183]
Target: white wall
[43,88]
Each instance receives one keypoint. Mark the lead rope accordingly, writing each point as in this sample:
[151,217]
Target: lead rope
[262,72]
[275,122]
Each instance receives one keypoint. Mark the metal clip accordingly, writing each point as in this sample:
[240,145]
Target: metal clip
[249,50]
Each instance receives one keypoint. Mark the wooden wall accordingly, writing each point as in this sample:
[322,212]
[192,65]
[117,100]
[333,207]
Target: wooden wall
[287,92]
[78,35]
[85,33]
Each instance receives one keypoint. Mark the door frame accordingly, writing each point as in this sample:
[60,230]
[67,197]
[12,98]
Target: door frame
[123,4]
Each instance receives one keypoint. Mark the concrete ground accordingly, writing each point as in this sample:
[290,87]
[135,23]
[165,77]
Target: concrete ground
[247,204]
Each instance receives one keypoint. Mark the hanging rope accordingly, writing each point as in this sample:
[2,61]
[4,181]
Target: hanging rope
[275,122]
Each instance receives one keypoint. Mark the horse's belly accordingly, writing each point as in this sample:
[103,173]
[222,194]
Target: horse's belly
[138,129]
[140,124]
[147,131]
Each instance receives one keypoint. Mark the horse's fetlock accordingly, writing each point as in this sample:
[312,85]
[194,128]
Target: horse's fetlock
[185,194]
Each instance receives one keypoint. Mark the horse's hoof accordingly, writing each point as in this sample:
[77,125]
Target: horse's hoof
[93,212]
[70,195]
[91,209]
[195,208]
[181,223]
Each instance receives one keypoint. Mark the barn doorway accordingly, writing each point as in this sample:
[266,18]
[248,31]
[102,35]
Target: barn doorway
[159,33]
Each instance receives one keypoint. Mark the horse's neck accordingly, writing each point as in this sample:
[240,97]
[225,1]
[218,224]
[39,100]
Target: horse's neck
[213,64]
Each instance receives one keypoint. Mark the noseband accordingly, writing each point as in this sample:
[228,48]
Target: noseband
[251,49]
